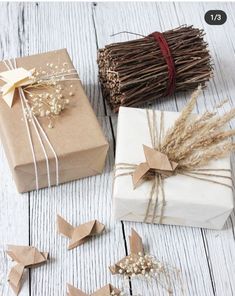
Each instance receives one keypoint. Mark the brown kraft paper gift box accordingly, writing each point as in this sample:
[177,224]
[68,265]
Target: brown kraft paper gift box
[77,137]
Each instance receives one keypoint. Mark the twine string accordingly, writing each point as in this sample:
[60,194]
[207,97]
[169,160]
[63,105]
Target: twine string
[41,134]
[10,67]
[51,147]
[157,187]
[22,95]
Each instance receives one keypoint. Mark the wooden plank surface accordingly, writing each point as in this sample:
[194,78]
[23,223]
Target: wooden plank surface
[14,208]
[193,247]
[205,257]
[50,26]
[78,202]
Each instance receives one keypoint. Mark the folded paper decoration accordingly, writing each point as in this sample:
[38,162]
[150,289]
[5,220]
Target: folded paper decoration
[145,266]
[156,161]
[72,291]
[80,234]
[25,257]
[181,199]
[136,249]
[14,79]
[40,156]
[107,290]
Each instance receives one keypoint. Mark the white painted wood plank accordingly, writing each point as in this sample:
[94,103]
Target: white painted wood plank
[80,201]
[181,247]
[55,25]
[68,27]
[168,18]
[14,206]
[13,224]
[220,244]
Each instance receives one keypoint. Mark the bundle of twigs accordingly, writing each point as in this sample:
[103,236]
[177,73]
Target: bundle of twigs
[135,72]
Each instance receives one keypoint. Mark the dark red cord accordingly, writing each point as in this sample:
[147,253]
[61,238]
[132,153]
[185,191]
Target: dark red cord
[164,47]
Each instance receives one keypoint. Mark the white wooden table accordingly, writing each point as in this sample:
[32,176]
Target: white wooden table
[206,258]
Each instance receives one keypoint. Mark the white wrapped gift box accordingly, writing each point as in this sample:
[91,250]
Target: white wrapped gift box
[188,201]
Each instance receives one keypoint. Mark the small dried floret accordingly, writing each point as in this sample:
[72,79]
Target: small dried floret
[50,101]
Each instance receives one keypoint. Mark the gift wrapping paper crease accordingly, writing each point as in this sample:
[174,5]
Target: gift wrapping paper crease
[188,201]
[77,137]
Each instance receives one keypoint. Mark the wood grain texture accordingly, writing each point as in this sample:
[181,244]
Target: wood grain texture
[78,202]
[181,247]
[205,257]
[219,243]
[220,274]
[50,26]
[14,207]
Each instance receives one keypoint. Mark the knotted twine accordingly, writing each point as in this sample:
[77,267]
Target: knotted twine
[157,178]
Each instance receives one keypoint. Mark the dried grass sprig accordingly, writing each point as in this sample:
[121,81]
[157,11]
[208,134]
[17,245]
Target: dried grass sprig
[202,158]
[193,141]
[180,124]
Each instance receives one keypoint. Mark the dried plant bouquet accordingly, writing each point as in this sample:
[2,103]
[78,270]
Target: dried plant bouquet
[194,141]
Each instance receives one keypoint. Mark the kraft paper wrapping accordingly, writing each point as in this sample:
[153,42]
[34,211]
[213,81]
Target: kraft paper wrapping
[25,257]
[77,137]
[189,201]
[80,234]
[107,290]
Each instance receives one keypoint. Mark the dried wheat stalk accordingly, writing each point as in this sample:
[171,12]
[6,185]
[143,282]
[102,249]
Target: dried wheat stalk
[193,141]
[135,72]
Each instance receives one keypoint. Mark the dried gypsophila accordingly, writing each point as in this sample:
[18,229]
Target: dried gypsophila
[45,93]
[139,265]
[147,267]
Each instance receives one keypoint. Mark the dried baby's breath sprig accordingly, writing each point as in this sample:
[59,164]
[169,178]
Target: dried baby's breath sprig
[45,95]
[146,267]
[139,265]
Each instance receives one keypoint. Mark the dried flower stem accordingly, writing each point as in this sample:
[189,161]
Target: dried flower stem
[44,94]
